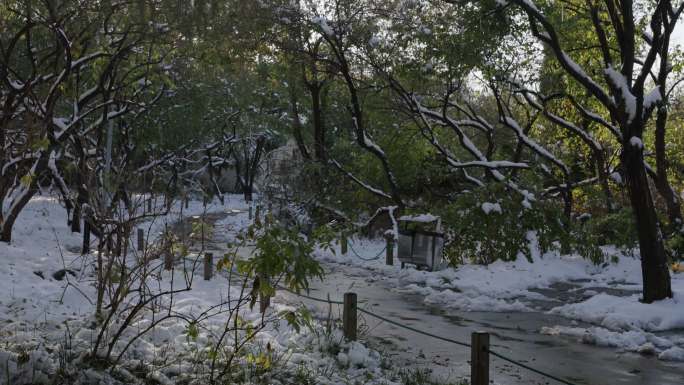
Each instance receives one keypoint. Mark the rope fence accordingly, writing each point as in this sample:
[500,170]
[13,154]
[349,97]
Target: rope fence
[479,348]
[377,256]
[488,350]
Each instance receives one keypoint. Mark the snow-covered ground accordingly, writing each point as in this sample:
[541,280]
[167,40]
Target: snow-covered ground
[606,297]
[47,322]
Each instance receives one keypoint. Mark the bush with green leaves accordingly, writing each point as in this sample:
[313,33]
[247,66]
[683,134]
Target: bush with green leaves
[675,246]
[283,256]
[492,224]
[615,228]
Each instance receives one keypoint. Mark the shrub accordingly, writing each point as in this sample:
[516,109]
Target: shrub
[491,224]
[617,228]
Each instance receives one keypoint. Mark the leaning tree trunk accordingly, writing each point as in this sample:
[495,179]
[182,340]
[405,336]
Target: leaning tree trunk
[11,216]
[655,273]
[8,221]
[672,203]
[319,128]
[76,219]
[6,232]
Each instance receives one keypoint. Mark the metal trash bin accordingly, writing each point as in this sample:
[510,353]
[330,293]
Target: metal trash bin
[420,247]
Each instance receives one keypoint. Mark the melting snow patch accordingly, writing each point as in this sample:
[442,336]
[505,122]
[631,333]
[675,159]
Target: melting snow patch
[620,83]
[323,23]
[652,98]
[633,340]
[374,41]
[615,176]
[672,354]
[472,301]
[489,207]
[627,313]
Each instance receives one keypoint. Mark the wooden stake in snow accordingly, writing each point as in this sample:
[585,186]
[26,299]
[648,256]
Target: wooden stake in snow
[168,260]
[479,358]
[141,240]
[208,266]
[349,316]
[167,250]
[389,256]
[343,244]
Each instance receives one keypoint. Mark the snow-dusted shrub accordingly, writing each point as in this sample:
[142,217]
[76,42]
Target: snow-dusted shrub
[675,246]
[490,224]
[616,228]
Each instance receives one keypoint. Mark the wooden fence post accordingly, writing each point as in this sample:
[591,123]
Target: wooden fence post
[389,256]
[85,247]
[141,240]
[479,358]
[343,244]
[208,266]
[349,316]
[168,260]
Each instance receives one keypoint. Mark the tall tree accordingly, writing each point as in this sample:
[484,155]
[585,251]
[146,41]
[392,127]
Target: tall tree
[621,93]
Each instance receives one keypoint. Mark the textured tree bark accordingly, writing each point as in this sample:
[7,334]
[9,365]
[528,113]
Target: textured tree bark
[672,202]
[601,172]
[85,247]
[297,126]
[76,219]
[655,273]
[11,217]
[319,128]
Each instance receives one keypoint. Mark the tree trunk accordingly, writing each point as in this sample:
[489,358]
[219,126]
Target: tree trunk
[85,247]
[655,273]
[601,171]
[11,217]
[76,219]
[674,208]
[319,128]
[247,191]
[567,201]
[297,126]
[6,232]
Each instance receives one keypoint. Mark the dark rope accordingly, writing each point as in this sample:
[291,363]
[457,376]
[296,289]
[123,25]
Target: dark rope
[413,329]
[464,344]
[377,256]
[428,334]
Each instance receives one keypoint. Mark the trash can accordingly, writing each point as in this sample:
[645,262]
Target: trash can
[421,241]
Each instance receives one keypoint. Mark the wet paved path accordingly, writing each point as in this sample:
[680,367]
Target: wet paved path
[515,335]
